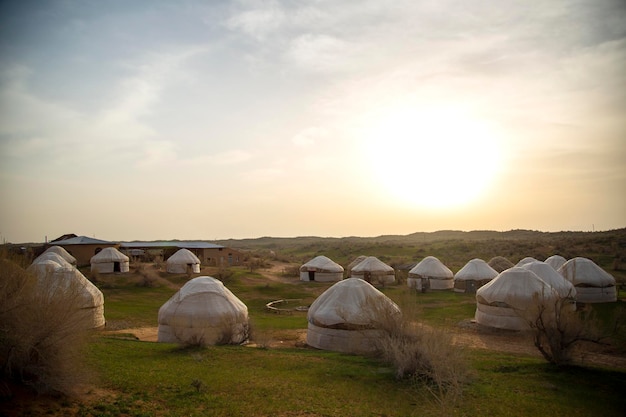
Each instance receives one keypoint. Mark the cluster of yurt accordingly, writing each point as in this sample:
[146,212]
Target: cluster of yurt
[520,290]
[57,276]
[183,261]
[203,312]
[352,315]
[321,269]
[109,260]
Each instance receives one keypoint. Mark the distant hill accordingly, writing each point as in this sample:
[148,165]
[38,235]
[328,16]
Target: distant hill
[417,237]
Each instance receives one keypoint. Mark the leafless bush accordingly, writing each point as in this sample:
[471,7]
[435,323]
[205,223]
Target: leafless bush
[291,271]
[224,274]
[42,334]
[557,328]
[255,262]
[426,357]
[262,339]
[148,278]
[229,332]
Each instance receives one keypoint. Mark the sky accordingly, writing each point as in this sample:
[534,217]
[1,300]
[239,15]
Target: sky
[149,120]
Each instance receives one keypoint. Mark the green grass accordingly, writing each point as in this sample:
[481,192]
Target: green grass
[134,306]
[231,380]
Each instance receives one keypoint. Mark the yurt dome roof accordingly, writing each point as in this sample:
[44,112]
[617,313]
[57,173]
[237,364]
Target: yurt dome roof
[552,278]
[515,288]
[583,271]
[183,256]
[431,267]
[109,254]
[322,263]
[351,303]
[374,265]
[476,269]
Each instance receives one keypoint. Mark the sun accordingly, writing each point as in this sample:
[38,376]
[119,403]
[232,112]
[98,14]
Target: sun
[433,158]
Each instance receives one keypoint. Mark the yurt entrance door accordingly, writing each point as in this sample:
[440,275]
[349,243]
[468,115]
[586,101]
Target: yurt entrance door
[311,275]
[116,267]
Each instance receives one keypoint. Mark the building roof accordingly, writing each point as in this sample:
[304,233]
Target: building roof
[183,244]
[83,240]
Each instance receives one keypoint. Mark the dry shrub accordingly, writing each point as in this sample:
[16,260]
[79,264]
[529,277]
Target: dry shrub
[228,332]
[425,356]
[557,328]
[149,278]
[224,274]
[42,335]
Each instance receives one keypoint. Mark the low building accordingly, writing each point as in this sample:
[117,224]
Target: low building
[209,254]
[82,247]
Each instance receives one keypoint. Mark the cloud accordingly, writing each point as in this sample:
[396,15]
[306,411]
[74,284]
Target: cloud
[230,157]
[309,136]
[320,53]
[263,175]
[258,22]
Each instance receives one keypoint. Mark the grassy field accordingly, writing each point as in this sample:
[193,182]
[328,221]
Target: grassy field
[139,378]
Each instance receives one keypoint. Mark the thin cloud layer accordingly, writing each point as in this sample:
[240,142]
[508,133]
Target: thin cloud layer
[380,107]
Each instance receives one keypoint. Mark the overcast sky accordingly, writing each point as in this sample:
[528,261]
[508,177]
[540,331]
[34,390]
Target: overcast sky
[207,120]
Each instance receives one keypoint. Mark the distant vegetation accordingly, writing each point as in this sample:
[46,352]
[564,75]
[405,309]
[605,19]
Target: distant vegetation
[453,248]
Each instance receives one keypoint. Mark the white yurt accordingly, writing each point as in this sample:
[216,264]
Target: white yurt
[109,260]
[555,261]
[349,317]
[525,261]
[182,262]
[54,257]
[514,291]
[354,263]
[203,312]
[500,263]
[430,273]
[375,271]
[321,269]
[593,284]
[55,280]
[473,275]
[61,252]
[563,287]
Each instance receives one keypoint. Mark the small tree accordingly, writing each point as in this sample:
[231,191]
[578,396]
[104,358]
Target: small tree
[557,328]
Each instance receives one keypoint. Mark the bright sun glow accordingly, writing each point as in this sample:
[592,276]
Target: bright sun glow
[432,158]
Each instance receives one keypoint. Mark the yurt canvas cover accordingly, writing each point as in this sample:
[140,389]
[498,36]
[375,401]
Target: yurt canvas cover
[593,284]
[183,261]
[473,275]
[349,317]
[62,253]
[525,261]
[373,270]
[500,302]
[54,280]
[203,312]
[109,260]
[430,273]
[354,263]
[563,287]
[54,257]
[500,263]
[321,269]
[555,261]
